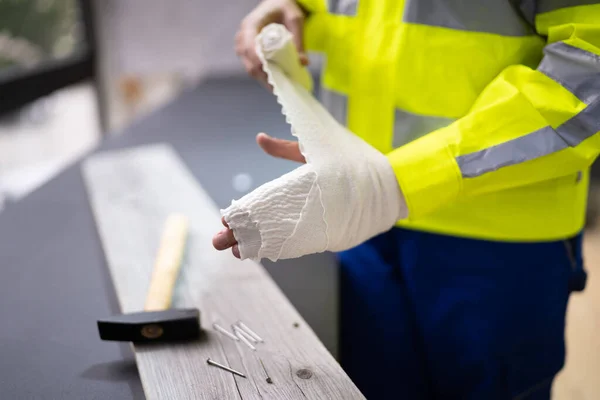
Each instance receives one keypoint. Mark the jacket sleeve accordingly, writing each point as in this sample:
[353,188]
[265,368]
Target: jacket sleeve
[527,125]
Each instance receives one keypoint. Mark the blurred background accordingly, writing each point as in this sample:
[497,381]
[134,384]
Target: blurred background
[74,72]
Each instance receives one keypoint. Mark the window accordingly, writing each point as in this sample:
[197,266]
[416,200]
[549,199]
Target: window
[44,45]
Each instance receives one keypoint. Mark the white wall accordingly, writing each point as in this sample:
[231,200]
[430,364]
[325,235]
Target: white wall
[191,37]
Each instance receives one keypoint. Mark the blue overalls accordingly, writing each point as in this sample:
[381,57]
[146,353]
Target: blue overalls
[427,316]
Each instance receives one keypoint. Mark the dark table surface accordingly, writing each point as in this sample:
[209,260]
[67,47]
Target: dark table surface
[54,283]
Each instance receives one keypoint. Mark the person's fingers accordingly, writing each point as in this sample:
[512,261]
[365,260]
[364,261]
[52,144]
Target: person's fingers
[249,45]
[254,70]
[294,21]
[304,59]
[280,148]
[250,59]
[224,239]
[238,43]
[236,250]
[266,12]
[257,73]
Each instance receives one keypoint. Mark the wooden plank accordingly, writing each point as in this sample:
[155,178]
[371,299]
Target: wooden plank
[132,192]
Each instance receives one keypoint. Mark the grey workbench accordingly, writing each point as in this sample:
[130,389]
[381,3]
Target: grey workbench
[54,283]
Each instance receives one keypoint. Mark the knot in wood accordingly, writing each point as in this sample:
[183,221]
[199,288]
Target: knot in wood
[304,373]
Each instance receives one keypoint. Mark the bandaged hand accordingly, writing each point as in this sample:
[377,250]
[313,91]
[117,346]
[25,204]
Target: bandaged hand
[346,192]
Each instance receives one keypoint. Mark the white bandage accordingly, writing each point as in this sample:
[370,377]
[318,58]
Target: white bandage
[345,194]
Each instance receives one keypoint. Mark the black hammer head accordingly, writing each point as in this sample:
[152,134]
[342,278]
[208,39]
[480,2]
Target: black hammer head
[152,326]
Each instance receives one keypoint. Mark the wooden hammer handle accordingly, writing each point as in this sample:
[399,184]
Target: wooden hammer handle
[167,264]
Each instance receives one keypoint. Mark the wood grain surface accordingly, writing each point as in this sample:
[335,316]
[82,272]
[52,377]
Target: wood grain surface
[131,193]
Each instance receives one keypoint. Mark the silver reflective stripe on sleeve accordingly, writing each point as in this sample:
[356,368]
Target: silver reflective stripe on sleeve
[525,148]
[578,71]
[491,16]
[342,7]
[409,126]
[336,103]
[552,5]
[534,145]
[575,69]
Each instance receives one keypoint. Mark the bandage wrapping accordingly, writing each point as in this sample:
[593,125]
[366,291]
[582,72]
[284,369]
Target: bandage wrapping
[345,194]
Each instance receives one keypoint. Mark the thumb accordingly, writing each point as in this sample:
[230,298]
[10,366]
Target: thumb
[280,148]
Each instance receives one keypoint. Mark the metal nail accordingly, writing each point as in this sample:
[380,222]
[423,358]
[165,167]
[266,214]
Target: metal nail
[225,332]
[250,332]
[243,339]
[216,364]
[269,380]
[237,329]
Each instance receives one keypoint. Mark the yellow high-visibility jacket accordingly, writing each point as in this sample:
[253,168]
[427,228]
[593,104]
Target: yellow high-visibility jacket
[488,110]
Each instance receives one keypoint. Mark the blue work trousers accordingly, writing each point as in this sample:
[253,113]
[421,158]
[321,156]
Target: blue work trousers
[426,316]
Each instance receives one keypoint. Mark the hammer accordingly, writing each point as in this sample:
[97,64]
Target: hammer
[159,323]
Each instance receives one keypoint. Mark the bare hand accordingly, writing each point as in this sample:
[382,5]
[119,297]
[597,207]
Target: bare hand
[279,148]
[286,12]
